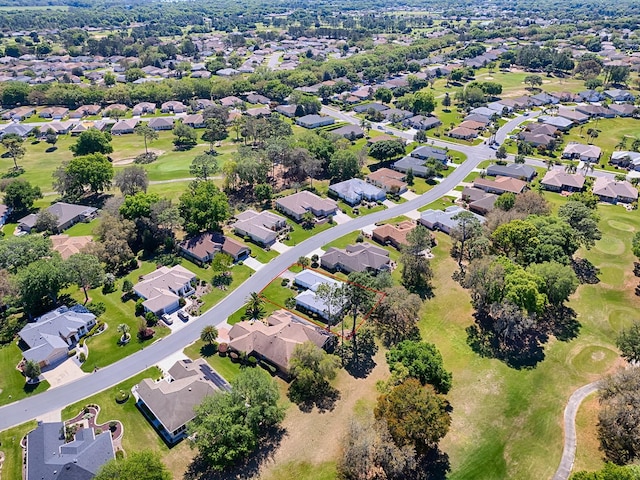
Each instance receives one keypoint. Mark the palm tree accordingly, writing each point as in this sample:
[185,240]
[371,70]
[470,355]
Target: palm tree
[365,125]
[209,334]
[31,370]
[571,167]
[254,309]
[148,133]
[124,329]
[622,144]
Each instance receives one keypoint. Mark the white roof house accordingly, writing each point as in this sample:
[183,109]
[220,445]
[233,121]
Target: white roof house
[162,289]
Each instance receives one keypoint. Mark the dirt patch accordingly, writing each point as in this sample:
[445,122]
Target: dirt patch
[129,160]
[315,437]
[516,93]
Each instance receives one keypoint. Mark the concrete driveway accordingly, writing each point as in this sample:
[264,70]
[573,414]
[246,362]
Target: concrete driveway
[63,373]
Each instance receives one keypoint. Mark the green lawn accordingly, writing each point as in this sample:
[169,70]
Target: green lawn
[10,445]
[507,422]
[306,470]
[13,385]
[82,228]
[420,185]
[223,365]
[299,234]
[612,130]
[239,274]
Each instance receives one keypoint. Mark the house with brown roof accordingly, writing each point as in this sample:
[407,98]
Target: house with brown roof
[56,113]
[67,246]
[162,288]
[361,257]
[204,246]
[144,108]
[500,185]
[388,180]
[173,106]
[194,121]
[297,204]
[472,125]
[608,190]
[572,115]
[579,151]
[85,111]
[113,107]
[478,200]
[123,127]
[161,123]
[170,403]
[561,181]
[463,133]
[390,234]
[274,340]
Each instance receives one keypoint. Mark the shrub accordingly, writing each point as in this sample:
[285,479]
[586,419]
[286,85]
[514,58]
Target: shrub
[252,361]
[139,307]
[82,357]
[113,426]
[146,158]
[71,353]
[290,303]
[182,302]
[284,282]
[151,319]
[98,431]
[109,285]
[121,397]
[119,455]
[360,238]
[97,308]
[127,286]
[81,342]
[223,348]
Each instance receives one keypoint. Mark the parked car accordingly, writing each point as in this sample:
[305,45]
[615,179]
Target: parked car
[183,316]
[166,319]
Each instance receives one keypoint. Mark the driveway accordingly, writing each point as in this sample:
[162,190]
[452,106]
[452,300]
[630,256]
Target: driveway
[409,195]
[253,264]
[65,372]
[279,247]
[341,217]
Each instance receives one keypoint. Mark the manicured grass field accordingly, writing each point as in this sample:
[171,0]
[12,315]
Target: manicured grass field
[82,228]
[299,234]
[612,130]
[10,444]
[13,385]
[506,422]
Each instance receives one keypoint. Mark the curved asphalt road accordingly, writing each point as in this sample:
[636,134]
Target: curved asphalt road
[570,411]
[57,398]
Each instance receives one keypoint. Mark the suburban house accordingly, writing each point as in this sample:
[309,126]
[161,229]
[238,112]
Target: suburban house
[416,160]
[297,204]
[315,121]
[195,120]
[388,180]
[113,107]
[513,170]
[608,190]
[395,115]
[68,215]
[626,159]
[596,111]
[390,234]
[561,123]
[256,99]
[308,300]
[67,246]
[161,289]
[472,125]
[623,109]
[476,117]
[536,139]
[49,457]
[618,95]
[274,339]
[173,106]
[443,220]
[161,123]
[144,108]
[361,257]
[462,133]
[586,153]
[590,96]
[350,132]
[572,115]
[169,404]
[230,101]
[500,185]
[18,129]
[365,107]
[55,113]
[287,110]
[49,337]
[560,181]
[204,246]
[355,190]
[18,114]
[421,122]
[478,200]
[124,126]
[425,152]
[86,111]
[261,227]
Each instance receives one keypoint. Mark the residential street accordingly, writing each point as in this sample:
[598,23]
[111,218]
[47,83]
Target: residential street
[57,398]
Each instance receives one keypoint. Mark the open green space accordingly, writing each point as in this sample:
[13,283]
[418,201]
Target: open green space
[13,386]
[82,228]
[489,399]
[611,131]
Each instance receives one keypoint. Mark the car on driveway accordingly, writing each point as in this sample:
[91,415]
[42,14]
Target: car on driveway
[183,315]
[166,319]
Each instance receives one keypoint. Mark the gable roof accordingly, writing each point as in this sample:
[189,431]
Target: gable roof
[208,243]
[395,233]
[276,338]
[505,184]
[590,151]
[64,211]
[262,225]
[50,458]
[173,402]
[160,286]
[607,187]
[67,246]
[514,170]
[355,187]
